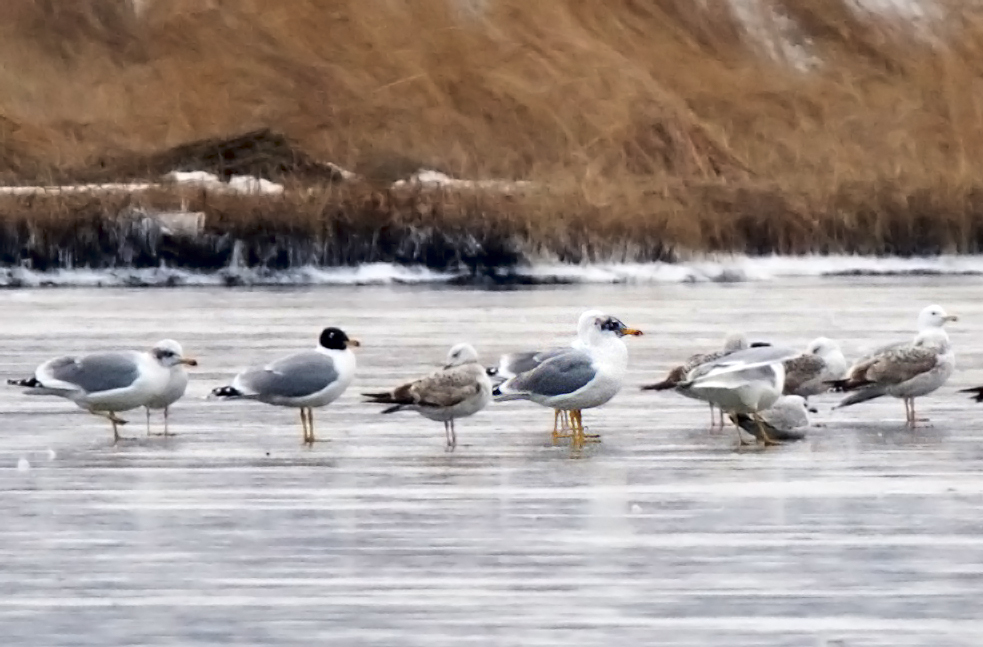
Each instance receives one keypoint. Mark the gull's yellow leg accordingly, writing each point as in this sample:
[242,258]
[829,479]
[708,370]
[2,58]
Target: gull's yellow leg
[303,426]
[310,425]
[578,429]
[560,424]
[765,438]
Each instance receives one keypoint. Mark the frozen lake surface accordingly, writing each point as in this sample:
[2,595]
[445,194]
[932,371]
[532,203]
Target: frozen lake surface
[233,533]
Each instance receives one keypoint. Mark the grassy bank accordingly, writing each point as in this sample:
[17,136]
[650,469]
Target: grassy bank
[655,125]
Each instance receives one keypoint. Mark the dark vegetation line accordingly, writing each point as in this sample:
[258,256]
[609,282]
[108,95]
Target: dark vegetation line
[648,129]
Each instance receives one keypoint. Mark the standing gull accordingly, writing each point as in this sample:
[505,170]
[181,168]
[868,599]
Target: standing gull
[177,384]
[810,373]
[512,364]
[460,389]
[579,378]
[786,420]
[732,343]
[304,380]
[904,370]
[748,381]
[105,384]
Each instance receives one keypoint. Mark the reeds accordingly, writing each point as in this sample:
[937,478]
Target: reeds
[799,125]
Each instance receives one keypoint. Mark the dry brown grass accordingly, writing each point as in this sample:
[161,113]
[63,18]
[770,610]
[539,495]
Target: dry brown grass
[645,117]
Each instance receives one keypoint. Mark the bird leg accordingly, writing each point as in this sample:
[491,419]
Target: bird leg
[303,426]
[166,410]
[453,439]
[310,426]
[577,432]
[116,422]
[148,420]
[713,419]
[765,438]
[740,437]
[560,424]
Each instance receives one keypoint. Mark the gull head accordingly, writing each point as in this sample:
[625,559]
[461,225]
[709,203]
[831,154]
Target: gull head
[460,354]
[822,346]
[336,339]
[934,317]
[594,324]
[735,341]
[169,353]
[798,403]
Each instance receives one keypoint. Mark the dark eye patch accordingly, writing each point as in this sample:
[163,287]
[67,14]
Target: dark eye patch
[612,324]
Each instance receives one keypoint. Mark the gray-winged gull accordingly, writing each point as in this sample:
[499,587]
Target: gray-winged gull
[748,381]
[512,364]
[577,379]
[905,370]
[460,389]
[786,420]
[810,373]
[107,383]
[732,343]
[176,386]
[305,380]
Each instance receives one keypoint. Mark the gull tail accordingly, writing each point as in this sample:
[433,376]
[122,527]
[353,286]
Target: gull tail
[388,398]
[664,385]
[848,384]
[506,396]
[28,383]
[227,392]
[35,387]
[976,390]
[862,395]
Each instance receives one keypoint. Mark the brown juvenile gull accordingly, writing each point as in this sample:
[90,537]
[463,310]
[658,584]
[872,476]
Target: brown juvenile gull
[460,389]
[732,343]
[905,371]
[809,373]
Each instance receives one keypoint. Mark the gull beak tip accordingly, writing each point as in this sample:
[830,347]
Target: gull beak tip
[354,342]
[189,361]
[634,332]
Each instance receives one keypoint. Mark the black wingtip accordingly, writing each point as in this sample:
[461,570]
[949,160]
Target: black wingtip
[28,382]
[226,392]
[977,392]
[842,386]
[497,391]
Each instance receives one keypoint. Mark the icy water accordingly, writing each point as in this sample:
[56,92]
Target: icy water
[233,533]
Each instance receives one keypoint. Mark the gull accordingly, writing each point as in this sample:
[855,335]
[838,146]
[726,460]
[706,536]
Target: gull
[176,386]
[732,343]
[809,373]
[747,381]
[786,420]
[107,383]
[578,378]
[305,380]
[460,389]
[904,370]
[976,390]
[512,364]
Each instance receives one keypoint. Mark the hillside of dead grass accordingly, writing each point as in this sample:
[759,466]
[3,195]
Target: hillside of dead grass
[804,125]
